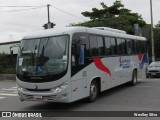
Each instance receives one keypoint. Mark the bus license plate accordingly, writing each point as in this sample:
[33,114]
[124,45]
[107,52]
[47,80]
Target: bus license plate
[37,97]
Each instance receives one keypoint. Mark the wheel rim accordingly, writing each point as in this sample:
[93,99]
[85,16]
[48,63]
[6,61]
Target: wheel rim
[93,91]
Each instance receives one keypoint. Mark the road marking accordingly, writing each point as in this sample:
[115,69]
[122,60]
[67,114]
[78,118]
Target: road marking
[8,89]
[15,92]
[143,86]
[8,94]
[14,87]
[155,79]
[5,91]
[2,97]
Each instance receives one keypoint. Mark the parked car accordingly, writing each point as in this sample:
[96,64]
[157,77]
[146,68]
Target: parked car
[153,70]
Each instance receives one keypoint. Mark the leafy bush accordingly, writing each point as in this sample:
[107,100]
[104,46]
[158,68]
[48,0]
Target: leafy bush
[5,64]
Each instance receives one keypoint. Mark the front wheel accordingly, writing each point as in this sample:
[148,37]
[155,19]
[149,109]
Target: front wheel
[93,92]
[147,76]
[134,78]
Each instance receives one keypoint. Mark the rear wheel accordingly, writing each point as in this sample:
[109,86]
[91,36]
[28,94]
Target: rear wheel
[134,78]
[93,91]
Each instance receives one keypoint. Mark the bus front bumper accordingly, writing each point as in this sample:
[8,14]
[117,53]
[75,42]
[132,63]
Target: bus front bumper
[48,96]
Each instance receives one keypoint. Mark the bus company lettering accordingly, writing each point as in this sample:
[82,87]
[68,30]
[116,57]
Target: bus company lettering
[124,63]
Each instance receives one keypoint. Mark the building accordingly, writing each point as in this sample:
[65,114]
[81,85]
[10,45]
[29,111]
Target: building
[7,47]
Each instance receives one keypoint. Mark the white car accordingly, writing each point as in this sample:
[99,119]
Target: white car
[153,70]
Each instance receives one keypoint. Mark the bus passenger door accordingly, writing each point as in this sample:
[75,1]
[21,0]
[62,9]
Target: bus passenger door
[78,73]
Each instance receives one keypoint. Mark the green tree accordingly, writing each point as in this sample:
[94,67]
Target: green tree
[157,40]
[5,66]
[147,34]
[115,16]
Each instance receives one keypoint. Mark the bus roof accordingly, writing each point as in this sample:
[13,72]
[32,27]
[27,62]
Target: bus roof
[71,30]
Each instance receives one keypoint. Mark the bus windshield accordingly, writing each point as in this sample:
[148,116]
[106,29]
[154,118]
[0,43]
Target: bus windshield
[43,56]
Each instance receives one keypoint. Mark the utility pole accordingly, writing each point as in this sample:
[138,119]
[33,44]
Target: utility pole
[152,33]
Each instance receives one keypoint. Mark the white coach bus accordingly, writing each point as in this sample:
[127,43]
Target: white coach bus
[69,64]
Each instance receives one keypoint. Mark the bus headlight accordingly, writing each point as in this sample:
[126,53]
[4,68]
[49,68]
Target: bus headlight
[60,87]
[20,88]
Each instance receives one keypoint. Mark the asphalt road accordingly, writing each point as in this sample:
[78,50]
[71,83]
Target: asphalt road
[145,96]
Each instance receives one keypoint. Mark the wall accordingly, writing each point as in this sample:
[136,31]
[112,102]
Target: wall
[5,47]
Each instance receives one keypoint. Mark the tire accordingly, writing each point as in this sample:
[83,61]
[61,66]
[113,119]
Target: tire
[147,76]
[134,78]
[93,92]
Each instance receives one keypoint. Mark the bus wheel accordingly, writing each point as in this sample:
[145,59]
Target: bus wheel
[93,91]
[134,78]
[147,76]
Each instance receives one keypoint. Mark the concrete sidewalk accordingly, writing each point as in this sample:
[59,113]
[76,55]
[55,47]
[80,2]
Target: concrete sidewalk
[7,77]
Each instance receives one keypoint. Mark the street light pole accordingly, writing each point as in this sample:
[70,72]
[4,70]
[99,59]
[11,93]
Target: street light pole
[48,25]
[48,12]
[152,33]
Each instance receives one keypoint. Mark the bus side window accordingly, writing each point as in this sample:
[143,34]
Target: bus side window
[101,49]
[113,46]
[135,47]
[73,55]
[146,49]
[140,47]
[108,45]
[143,46]
[78,55]
[131,49]
[93,45]
[119,47]
[81,57]
[123,44]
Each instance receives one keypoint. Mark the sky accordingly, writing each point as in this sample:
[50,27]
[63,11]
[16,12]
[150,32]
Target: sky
[14,25]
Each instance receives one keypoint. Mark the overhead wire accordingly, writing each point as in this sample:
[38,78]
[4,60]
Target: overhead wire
[68,13]
[37,7]
[23,9]
[18,6]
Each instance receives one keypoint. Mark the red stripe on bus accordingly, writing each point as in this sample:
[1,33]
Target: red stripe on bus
[98,63]
[140,56]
